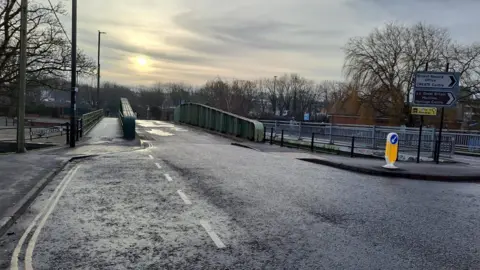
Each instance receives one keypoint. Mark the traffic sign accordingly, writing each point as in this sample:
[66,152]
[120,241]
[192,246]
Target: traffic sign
[391,150]
[306,117]
[437,80]
[424,111]
[436,89]
[435,99]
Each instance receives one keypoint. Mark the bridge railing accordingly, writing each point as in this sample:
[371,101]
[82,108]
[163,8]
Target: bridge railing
[89,120]
[214,119]
[127,119]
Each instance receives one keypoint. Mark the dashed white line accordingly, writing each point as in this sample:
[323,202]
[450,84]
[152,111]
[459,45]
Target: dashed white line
[212,234]
[184,197]
[168,177]
[158,165]
[150,156]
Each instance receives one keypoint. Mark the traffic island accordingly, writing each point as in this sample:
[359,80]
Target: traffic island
[423,171]
[449,172]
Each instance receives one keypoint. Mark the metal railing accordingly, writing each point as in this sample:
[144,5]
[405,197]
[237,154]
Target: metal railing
[89,120]
[127,119]
[369,137]
[34,133]
[354,146]
[214,119]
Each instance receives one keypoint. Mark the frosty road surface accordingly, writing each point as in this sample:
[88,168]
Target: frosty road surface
[193,201]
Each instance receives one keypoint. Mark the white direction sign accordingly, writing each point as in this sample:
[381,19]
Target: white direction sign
[437,80]
[436,89]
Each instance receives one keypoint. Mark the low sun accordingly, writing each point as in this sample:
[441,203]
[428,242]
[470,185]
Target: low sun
[141,61]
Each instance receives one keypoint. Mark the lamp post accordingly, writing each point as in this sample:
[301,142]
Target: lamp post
[22,78]
[73,90]
[98,69]
[275,95]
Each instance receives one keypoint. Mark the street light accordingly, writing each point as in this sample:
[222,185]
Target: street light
[73,90]
[98,69]
[22,78]
[275,95]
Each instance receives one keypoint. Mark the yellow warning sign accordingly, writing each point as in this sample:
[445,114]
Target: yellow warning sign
[424,111]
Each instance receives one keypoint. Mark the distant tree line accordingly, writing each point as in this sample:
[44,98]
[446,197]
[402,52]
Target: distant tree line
[289,96]
[378,74]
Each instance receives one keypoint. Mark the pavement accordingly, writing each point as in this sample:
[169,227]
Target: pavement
[25,175]
[467,170]
[192,200]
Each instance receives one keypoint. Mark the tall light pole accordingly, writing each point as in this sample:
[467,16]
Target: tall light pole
[73,90]
[275,95]
[98,70]
[22,78]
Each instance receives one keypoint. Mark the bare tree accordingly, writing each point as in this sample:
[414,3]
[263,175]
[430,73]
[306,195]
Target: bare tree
[285,93]
[465,59]
[270,85]
[48,50]
[381,64]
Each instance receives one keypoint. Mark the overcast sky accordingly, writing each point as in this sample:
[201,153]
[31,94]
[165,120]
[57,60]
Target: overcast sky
[193,41]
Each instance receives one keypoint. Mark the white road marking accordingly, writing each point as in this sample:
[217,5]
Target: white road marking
[168,177]
[212,234]
[150,156]
[184,197]
[33,240]
[16,252]
[158,165]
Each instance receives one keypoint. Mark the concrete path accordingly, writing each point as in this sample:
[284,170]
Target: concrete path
[22,173]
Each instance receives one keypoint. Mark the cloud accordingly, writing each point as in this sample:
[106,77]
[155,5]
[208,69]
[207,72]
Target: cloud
[247,33]
[197,40]
[154,53]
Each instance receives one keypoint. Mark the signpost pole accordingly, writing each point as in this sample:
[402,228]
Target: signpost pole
[420,139]
[420,130]
[437,160]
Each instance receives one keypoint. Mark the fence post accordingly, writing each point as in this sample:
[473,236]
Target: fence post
[281,140]
[331,129]
[452,147]
[300,130]
[271,136]
[398,149]
[352,147]
[68,132]
[30,128]
[264,134]
[419,148]
[433,143]
[81,127]
[374,131]
[313,139]
[77,130]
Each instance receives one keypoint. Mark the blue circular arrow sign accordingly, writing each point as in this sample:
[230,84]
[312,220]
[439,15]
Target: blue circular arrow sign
[394,139]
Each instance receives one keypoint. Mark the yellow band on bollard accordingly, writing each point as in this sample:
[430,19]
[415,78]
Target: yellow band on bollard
[391,150]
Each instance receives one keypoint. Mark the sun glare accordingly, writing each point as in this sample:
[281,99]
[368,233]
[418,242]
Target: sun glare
[141,61]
